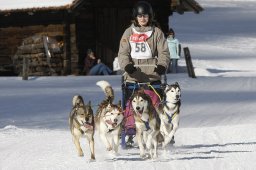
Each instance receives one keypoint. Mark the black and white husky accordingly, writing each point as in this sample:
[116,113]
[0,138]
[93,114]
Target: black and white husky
[169,112]
[81,122]
[147,127]
[108,119]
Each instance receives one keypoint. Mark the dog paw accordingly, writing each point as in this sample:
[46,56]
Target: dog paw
[142,156]
[115,153]
[167,140]
[154,156]
[172,142]
[109,148]
[92,157]
[81,154]
[92,160]
[145,156]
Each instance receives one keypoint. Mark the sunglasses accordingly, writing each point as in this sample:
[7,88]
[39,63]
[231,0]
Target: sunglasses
[143,15]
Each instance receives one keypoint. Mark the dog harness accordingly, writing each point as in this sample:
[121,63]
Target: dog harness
[146,124]
[170,118]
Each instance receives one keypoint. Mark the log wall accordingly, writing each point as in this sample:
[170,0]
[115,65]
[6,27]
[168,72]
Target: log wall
[12,39]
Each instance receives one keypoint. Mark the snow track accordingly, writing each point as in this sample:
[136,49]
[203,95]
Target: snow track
[222,147]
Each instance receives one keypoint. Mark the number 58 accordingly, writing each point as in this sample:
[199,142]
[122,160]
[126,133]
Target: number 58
[140,47]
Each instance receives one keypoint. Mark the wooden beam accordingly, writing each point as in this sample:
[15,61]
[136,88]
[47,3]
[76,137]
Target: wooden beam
[38,18]
[67,49]
[190,67]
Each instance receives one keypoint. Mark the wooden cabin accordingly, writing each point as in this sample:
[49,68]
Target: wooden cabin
[55,36]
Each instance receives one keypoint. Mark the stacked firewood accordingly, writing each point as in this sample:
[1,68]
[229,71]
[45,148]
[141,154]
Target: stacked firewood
[45,56]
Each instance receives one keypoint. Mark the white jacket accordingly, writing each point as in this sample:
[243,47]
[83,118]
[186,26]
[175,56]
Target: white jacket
[116,65]
[173,45]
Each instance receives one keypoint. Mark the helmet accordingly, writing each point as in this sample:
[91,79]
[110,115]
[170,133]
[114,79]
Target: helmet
[142,7]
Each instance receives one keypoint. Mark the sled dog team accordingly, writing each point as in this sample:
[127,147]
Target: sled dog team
[109,116]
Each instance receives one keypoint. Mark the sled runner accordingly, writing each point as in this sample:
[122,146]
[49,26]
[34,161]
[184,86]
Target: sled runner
[154,90]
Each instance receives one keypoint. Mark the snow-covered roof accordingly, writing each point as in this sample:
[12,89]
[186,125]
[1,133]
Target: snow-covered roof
[13,5]
[25,5]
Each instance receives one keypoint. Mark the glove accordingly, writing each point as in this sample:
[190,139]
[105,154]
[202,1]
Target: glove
[129,68]
[160,69]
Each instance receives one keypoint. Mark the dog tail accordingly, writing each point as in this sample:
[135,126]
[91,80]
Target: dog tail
[107,88]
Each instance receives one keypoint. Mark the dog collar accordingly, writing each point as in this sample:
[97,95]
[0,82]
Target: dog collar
[146,123]
[110,130]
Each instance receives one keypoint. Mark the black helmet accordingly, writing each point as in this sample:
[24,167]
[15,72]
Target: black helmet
[142,7]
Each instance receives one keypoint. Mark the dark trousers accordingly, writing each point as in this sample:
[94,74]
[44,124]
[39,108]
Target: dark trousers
[173,66]
[100,69]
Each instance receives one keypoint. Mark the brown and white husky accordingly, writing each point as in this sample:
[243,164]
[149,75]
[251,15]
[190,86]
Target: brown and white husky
[108,119]
[81,123]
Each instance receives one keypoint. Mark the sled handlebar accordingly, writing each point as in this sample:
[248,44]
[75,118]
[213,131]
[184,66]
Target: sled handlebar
[145,65]
[142,65]
[163,77]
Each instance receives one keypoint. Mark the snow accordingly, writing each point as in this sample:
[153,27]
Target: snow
[221,39]
[26,4]
[218,112]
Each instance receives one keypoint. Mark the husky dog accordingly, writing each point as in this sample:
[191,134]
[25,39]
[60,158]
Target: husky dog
[169,112]
[81,123]
[147,127]
[108,119]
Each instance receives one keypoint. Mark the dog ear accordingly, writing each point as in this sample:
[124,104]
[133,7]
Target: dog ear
[177,84]
[166,88]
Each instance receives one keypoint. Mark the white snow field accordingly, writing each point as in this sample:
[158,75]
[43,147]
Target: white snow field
[218,112]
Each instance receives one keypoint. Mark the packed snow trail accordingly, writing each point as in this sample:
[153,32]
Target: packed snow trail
[220,147]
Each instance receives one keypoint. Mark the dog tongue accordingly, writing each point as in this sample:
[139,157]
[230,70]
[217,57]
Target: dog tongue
[140,113]
[88,126]
[111,123]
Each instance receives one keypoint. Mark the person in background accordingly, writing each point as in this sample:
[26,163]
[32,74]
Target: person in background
[116,67]
[94,66]
[89,61]
[173,45]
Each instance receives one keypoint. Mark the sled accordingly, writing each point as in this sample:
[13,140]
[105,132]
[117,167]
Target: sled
[155,92]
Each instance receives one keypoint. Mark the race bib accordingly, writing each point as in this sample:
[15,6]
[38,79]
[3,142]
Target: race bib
[139,46]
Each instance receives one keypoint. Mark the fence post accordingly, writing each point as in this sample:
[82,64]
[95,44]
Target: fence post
[25,69]
[190,68]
